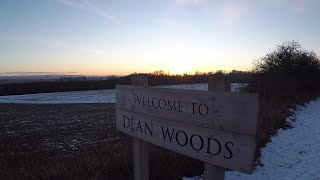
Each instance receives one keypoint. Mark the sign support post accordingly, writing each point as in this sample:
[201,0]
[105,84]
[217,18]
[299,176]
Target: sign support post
[217,84]
[140,147]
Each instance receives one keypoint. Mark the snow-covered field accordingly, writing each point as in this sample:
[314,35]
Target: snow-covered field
[94,96]
[292,153]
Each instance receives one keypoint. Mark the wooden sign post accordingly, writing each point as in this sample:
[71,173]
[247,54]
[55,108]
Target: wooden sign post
[140,147]
[218,128]
[217,84]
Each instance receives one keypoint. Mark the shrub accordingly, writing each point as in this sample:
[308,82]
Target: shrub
[288,57]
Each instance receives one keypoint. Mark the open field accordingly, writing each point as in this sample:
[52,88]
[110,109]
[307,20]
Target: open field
[72,135]
[44,136]
[67,128]
[74,141]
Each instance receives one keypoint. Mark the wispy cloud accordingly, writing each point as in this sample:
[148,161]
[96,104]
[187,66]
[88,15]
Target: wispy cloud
[165,21]
[196,2]
[188,2]
[72,47]
[89,6]
[300,6]
[303,4]
[232,11]
[64,46]
[228,11]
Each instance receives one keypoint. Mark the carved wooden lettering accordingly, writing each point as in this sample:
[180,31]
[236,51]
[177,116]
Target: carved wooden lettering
[232,112]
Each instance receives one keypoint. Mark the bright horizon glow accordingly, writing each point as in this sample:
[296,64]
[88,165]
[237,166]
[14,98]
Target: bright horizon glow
[97,37]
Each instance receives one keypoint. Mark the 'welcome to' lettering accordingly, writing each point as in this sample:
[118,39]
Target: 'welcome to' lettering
[154,102]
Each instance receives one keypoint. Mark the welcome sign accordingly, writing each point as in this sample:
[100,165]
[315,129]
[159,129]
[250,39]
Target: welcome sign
[217,128]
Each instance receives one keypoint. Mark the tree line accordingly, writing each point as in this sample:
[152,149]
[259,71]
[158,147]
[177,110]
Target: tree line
[155,79]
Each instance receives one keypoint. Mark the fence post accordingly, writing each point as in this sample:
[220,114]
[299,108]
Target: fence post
[219,84]
[140,148]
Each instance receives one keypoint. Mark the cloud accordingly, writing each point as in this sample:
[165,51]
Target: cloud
[288,3]
[89,6]
[228,11]
[300,6]
[292,6]
[165,21]
[232,11]
[72,47]
[185,3]
[197,2]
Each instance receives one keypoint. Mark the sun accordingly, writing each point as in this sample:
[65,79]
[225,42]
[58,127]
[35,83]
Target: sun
[183,68]
[179,57]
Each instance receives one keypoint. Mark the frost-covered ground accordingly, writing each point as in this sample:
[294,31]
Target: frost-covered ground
[292,153]
[94,96]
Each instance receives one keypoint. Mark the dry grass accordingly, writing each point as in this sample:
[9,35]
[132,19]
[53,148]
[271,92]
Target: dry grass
[278,95]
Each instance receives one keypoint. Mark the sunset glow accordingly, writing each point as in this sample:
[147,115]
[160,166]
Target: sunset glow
[121,37]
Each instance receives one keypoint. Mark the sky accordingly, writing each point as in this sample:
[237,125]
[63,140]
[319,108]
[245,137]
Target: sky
[119,37]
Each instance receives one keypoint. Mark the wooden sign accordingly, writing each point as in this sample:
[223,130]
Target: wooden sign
[217,128]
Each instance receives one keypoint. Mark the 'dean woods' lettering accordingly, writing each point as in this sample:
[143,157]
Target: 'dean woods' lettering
[161,103]
[210,145]
[142,127]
